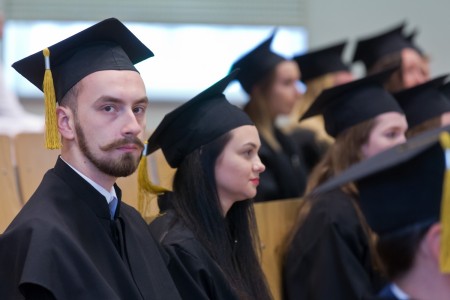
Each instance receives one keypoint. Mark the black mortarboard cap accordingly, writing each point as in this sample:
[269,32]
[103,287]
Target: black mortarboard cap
[107,45]
[322,61]
[197,122]
[410,38]
[256,64]
[445,89]
[423,102]
[346,105]
[370,50]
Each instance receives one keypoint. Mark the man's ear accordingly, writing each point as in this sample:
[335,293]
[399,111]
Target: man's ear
[66,122]
[432,241]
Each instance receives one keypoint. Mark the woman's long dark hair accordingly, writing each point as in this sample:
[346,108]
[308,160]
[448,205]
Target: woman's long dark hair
[232,241]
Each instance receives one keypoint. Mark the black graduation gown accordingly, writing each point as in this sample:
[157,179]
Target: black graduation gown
[64,242]
[194,271]
[311,149]
[285,175]
[385,294]
[329,256]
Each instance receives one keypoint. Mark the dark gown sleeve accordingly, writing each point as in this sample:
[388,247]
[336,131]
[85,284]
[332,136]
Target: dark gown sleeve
[310,148]
[193,279]
[36,292]
[195,273]
[329,256]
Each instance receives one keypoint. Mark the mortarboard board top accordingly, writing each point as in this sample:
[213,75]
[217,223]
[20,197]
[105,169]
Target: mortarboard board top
[423,102]
[197,122]
[107,45]
[256,64]
[349,104]
[319,62]
[369,50]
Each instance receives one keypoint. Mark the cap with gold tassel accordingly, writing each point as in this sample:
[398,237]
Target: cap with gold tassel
[107,45]
[51,128]
[444,259]
[146,189]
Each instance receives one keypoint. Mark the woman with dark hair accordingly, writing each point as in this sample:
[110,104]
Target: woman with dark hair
[209,233]
[330,253]
[270,80]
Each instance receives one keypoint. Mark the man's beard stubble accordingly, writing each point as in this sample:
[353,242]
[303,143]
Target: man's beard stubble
[122,167]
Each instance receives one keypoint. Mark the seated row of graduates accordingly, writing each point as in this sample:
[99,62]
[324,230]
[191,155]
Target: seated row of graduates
[65,243]
[332,251]
[290,150]
[331,254]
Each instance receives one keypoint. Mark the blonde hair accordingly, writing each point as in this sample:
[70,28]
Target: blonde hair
[314,88]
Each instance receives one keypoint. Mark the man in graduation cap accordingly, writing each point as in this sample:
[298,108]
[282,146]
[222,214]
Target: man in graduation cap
[405,196]
[391,48]
[425,106]
[75,238]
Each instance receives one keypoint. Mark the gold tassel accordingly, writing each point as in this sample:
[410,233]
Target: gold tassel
[146,189]
[444,259]
[51,129]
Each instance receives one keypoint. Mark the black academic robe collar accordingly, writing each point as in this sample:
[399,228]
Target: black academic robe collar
[86,192]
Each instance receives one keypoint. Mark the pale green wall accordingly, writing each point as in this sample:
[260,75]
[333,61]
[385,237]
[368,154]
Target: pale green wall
[333,20]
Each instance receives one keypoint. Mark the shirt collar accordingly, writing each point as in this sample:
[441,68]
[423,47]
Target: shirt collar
[401,295]
[109,196]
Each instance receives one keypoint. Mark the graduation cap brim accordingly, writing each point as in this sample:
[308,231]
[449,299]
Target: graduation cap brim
[384,160]
[363,44]
[107,31]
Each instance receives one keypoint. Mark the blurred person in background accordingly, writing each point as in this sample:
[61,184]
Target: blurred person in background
[331,254]
[271,81]
[321,69]
[394,48]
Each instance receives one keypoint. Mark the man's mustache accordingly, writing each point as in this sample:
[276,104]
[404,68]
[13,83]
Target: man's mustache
[126,141]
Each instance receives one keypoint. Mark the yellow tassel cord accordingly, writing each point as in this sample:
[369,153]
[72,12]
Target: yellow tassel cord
[146,189]
[445,208]
[51,129]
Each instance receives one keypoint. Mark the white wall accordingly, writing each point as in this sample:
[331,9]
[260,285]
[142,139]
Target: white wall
[330,21]
[333,20]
